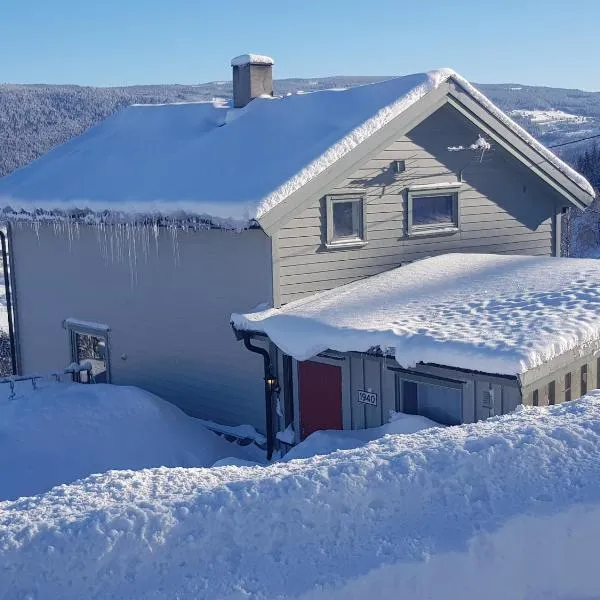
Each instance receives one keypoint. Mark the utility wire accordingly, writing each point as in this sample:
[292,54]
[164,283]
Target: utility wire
[591,137]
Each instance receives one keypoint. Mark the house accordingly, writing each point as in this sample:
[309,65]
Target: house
[133,243]
[456,338]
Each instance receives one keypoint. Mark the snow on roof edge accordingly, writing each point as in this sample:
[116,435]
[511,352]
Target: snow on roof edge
[181,214]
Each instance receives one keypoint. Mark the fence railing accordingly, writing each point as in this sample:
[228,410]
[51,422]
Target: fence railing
[75,371]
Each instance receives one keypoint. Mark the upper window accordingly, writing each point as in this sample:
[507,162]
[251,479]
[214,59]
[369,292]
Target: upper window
[431,211]
[345,221]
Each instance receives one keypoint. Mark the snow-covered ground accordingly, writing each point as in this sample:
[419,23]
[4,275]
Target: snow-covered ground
[63,432]
[326,442]
[549,116]
[504,509]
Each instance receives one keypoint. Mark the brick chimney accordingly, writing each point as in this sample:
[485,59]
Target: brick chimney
[252,77]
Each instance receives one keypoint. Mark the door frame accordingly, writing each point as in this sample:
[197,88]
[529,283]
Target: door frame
[335,359]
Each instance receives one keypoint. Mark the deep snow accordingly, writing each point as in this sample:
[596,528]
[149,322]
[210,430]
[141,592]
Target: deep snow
[226,166]
[63,432]
[506,508]
[487,312]
[326,442]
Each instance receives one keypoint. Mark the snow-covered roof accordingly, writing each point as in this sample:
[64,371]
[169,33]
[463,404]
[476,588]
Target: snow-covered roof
[230,166]
[491,313]
[251,59]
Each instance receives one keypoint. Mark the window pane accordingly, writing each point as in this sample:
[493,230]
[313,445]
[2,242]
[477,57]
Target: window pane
[551,393]
[92,349]
[440,404]
[433,210]
[409,398]
[346,221]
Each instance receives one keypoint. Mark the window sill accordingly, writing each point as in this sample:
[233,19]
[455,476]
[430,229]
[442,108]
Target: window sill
[433,232]
[345,245]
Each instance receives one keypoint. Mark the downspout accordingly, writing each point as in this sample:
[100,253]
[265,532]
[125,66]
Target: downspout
[9,310]
[268,389]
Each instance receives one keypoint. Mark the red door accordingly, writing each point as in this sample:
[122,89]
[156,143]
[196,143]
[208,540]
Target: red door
[320,391]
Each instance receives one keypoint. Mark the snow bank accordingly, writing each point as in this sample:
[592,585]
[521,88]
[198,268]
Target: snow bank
[63,432]
[224,167]
[492,313]
[326,442]
[506,508]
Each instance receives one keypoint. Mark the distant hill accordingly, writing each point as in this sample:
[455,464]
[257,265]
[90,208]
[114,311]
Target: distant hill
[34,118]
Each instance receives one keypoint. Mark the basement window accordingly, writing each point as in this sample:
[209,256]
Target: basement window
[583,376]
[567,387]
[345,221]
[436,402]
[433,210]
[551,393]
[89,342]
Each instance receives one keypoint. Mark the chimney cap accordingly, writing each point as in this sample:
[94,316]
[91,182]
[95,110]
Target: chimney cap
[251,59]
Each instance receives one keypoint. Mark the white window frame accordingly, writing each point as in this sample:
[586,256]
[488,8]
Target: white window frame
[434,228]
[357,242]
[75,327]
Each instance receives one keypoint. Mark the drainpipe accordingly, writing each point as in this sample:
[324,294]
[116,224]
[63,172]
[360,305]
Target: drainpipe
[7,294]
[268,389]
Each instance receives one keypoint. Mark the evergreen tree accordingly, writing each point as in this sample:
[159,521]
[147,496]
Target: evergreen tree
[588,164]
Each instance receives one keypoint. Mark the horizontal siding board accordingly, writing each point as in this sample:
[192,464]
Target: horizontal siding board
[376,252]
[317,274]
[465,239]
[396,229]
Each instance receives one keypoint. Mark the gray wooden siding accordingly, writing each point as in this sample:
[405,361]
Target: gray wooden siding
[169,314]
[503,208]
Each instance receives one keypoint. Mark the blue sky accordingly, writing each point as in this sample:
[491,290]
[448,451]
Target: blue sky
[121,42]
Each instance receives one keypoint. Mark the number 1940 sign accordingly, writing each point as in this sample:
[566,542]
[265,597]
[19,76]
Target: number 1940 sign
[369,398]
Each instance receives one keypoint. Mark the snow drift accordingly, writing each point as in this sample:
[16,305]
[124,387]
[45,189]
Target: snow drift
[63,432]
[506,508]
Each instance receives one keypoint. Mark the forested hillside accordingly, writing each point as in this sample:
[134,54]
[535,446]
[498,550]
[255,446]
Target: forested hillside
[34,118]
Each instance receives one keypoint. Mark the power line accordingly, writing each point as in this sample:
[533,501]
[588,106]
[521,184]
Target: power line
[591,137]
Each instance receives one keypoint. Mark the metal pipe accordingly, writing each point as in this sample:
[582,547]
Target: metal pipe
[7,294]
[268,390]
[84,367]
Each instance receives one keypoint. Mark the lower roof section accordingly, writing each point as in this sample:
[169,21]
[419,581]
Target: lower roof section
[484,312]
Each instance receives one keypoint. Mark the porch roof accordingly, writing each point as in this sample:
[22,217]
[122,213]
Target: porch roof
[492,313]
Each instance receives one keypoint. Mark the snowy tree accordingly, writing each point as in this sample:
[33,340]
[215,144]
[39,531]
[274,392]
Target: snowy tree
[582,229]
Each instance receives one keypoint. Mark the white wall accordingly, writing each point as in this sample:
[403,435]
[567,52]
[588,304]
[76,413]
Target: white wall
[167,304]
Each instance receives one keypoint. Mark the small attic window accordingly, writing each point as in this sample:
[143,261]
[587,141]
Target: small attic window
[345,221]
[399,166]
